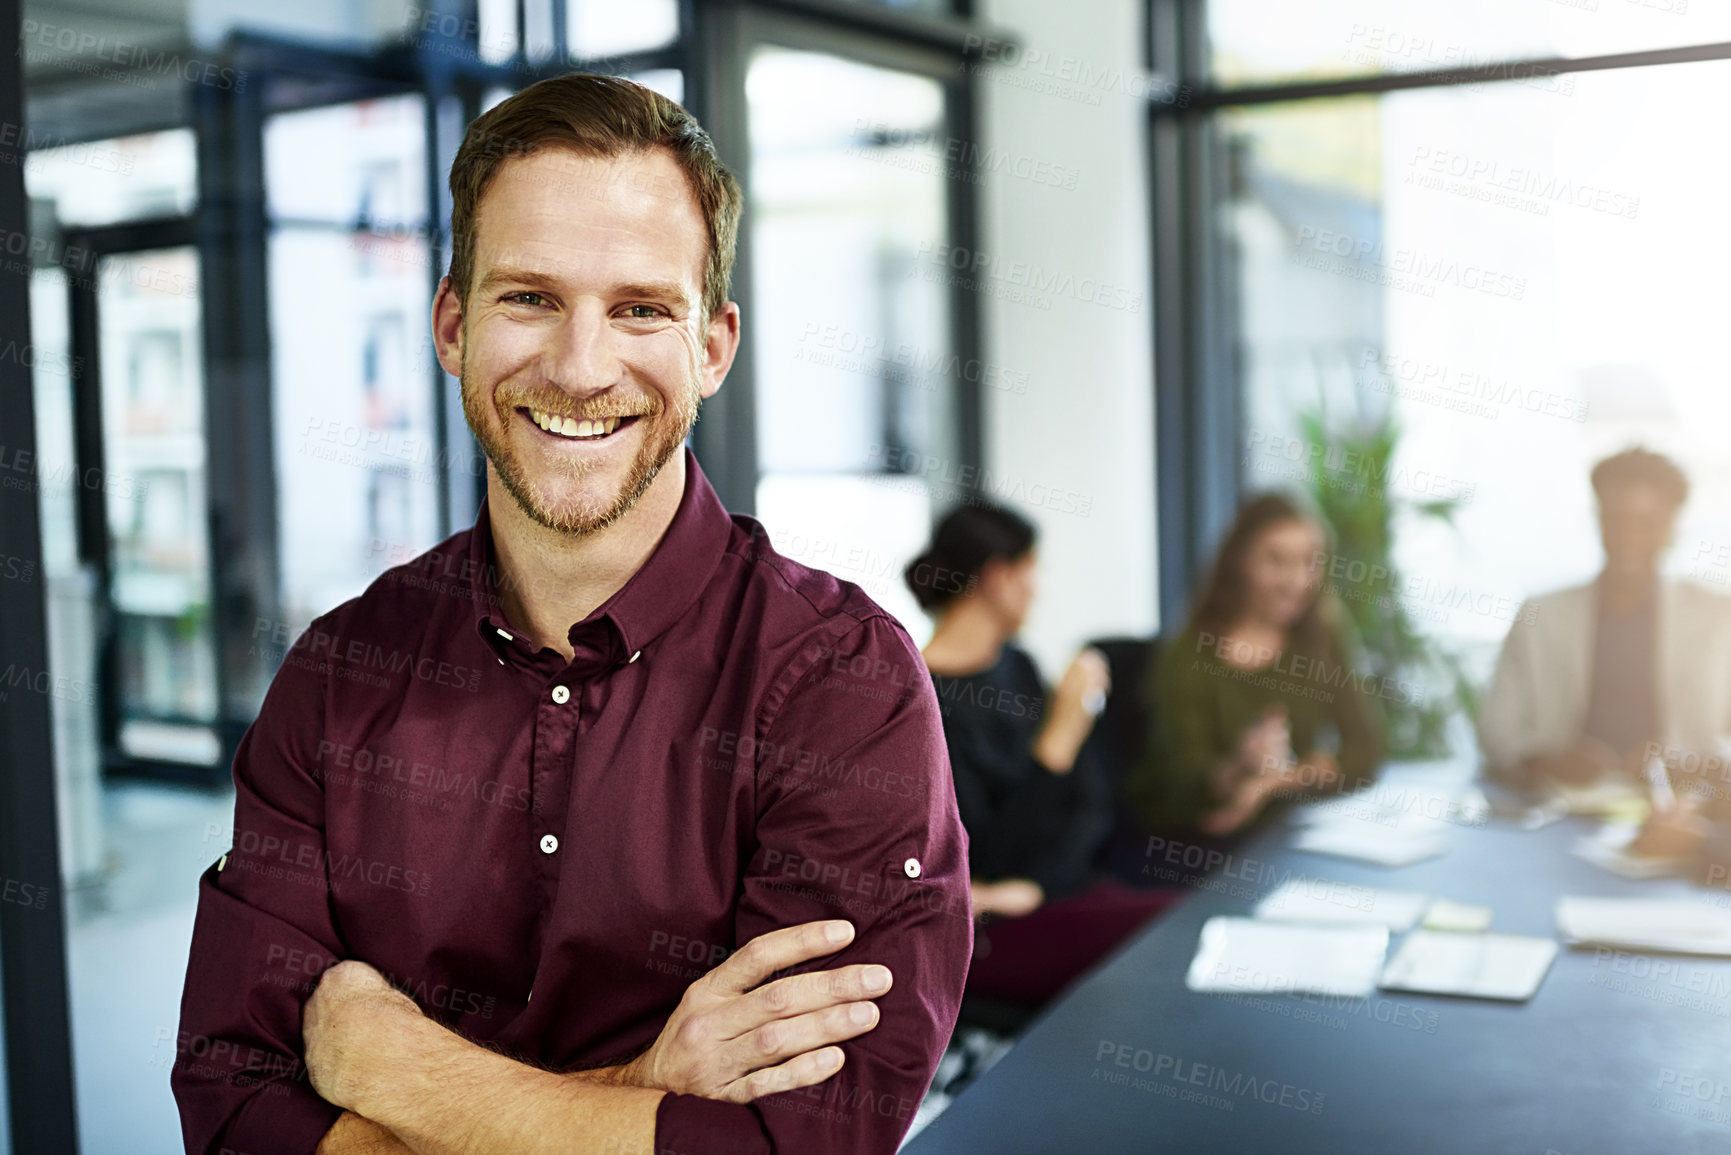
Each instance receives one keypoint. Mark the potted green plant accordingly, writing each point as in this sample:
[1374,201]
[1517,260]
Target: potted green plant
[1362,511]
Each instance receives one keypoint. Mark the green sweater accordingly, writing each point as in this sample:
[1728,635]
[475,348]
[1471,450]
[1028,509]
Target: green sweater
[1201,708]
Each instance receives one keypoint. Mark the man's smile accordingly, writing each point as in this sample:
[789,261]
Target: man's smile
[572,429]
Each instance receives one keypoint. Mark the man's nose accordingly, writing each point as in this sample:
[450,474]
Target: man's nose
[582,354]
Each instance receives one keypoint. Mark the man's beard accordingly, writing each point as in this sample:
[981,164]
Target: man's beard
[664,433]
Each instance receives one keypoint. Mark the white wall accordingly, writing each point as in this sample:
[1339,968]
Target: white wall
[1072,116]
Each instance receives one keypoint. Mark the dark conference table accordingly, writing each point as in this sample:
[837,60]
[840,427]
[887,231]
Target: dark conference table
[1617,1053]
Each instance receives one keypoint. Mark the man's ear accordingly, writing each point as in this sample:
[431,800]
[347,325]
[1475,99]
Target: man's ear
[720,346]
[448,328]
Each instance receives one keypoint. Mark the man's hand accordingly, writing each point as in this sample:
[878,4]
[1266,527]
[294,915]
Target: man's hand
[350,1005]
[736,1036]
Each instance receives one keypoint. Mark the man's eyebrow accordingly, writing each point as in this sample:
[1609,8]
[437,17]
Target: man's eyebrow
[506,275]
[653,290]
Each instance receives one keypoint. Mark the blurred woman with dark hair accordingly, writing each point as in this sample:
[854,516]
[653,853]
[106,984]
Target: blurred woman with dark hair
[1035,807]
[1260,696]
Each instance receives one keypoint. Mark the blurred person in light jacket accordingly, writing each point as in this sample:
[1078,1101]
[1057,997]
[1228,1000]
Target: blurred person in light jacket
[1594,680]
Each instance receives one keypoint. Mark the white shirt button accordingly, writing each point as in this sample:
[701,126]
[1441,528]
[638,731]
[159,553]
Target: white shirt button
[911,868]
[635,656]
[561,695]
[222,862]
[549,844]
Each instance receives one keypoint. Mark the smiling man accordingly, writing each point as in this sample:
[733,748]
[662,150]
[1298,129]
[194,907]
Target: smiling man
[601,827]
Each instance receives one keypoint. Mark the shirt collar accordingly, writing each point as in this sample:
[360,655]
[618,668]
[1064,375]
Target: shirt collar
[651,600]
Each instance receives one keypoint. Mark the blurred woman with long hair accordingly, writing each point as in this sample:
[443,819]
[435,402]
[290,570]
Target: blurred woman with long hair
[1260,696]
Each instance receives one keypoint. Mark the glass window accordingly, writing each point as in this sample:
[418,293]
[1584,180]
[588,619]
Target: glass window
[52,375]
[669,82]
[153,442]
[497,20]
[1511,286]
[538,37]
[126,178]
[348,164]
[931,7]
[1262,41]
[352,358]
[598,28]
[851,341]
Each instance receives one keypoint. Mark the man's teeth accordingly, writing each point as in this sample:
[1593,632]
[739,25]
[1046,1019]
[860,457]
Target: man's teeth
[571,427]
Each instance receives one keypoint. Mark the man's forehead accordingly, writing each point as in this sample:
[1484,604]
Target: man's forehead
[645,182]
[557,212]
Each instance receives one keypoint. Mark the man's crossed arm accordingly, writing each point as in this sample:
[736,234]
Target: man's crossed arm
[408,1084]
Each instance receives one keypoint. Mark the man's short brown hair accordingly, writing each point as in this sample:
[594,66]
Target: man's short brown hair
[598,116]
[1634,467]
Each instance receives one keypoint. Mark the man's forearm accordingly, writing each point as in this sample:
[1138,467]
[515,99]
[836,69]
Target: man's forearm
[443,1095]
[354,1135]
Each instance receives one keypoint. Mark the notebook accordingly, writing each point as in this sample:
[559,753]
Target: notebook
[1325,901]
[1248,956]
[1480,966]
[1674,926]
[1364,842]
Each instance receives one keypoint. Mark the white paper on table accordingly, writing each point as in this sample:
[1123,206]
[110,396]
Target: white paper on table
[1367,843]
[1322,900]
[1678,926]
[1447,914]
[1480,966]
[1248,956]
[1410,804]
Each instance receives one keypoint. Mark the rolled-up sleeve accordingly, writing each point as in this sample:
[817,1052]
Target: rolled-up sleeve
[856,819]
[264,932]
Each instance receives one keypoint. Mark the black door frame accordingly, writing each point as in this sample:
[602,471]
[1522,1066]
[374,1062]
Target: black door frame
[37,1022]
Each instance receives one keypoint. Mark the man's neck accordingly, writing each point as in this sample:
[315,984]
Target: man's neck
[549,581]
[1625,593]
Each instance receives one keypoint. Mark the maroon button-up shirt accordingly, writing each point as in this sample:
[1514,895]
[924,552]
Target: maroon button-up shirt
[740,744]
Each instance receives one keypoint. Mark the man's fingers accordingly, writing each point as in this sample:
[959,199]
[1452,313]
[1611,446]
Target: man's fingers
[784,1039]
[760,958]
[800,995]
[800,1071]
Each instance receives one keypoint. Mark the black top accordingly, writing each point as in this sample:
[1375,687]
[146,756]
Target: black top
[1023,821]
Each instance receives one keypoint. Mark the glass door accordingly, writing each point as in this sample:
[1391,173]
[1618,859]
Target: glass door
[160,648]
[852,180]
